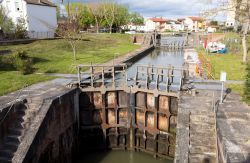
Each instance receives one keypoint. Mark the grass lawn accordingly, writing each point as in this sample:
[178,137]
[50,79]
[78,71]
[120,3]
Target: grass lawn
[230,62]
[55,56]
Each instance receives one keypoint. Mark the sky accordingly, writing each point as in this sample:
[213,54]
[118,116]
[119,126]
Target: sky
[170,9]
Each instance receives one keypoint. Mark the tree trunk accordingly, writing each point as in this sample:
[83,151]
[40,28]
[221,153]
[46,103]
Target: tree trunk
[74,51]
[244,46]
[97,27]
[244,41]
[110,29]
[73,46]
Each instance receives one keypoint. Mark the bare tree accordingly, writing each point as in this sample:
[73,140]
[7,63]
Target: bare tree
[110,11]
[70,32]
[96,10]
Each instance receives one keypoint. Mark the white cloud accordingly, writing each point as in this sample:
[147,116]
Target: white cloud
[164,8]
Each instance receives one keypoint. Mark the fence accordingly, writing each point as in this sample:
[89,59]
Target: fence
[41,35]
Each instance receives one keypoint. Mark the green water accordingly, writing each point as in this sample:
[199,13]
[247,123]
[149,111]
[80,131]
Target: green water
[121,157]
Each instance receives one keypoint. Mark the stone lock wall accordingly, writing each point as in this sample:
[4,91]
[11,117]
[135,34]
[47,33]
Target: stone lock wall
[57,139]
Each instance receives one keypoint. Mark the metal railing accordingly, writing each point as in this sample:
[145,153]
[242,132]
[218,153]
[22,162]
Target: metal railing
[164,78]
[40,35]
[102,75]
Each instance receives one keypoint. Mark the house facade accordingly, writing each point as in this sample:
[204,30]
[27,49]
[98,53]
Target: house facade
[195,24]
[155,24]
[39,16]
[174,25]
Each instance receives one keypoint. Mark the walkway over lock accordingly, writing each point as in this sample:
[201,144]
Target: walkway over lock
[162,79]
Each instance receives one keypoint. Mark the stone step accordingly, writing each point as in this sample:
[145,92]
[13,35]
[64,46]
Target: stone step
[7,153]
[5,160]
[34,106]
[18,125]
[19,119]
[14,138]
[34,100]
[11,145]
[20,112]
[16,131]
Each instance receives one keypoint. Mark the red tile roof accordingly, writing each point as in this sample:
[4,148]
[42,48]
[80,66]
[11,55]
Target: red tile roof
[194,18]
[41,3]
[161,20]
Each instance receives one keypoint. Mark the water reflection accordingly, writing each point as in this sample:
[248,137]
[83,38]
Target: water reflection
[159,57]
[121,157]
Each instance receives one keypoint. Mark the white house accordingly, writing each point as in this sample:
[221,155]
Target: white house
[157,24]
[193,23]
[39,16]
[139,28]
[174,25]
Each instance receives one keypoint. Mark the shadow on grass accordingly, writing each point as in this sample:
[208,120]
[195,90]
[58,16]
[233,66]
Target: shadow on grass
[51,71]
[6,64]
[39,60]
[5,52]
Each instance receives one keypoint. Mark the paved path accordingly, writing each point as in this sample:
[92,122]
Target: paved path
[233,121]
[49,88]
[196,129]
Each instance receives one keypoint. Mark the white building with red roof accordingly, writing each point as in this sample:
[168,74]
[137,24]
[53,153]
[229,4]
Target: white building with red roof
[155,24]
[194,23]
[39,16]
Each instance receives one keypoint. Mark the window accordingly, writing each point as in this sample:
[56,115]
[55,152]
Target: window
[17,6]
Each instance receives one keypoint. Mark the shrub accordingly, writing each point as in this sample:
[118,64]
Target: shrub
[23,63]
[247,85]
[20,29]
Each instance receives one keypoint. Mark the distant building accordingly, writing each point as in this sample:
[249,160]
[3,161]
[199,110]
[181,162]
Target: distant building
[39,16]
[138,28]
[157,24]
[195,24]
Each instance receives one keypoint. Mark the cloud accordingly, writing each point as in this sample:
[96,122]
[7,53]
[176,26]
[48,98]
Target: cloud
[162,8]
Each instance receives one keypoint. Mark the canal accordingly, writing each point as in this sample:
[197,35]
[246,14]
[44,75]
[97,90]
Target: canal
[160,56]
[121,157]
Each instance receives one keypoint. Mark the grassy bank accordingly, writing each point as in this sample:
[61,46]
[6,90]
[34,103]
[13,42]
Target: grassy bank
[55,56]
[230,62]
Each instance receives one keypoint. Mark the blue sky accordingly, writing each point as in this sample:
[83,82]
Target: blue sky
[162,8]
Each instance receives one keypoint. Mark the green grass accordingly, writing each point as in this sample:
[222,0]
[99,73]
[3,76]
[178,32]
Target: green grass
[236,88]
[12,80]
[230,62]
[55,56]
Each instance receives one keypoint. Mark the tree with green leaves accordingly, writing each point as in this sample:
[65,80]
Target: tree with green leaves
[6,24]
[136,19]
[20,29]
[97,12]
[81,13]
[110,11]
[85,18]
[122,17]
